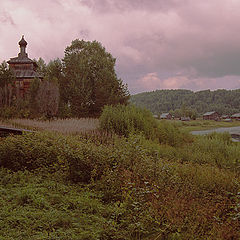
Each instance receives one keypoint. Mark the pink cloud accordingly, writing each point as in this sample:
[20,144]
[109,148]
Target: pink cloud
[155,39]
[152,81]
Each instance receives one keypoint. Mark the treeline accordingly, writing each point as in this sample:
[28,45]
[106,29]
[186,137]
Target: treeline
[79,85]
[159,101]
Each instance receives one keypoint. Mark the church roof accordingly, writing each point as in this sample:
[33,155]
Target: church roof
[26,74]
[22,57]
[21,60]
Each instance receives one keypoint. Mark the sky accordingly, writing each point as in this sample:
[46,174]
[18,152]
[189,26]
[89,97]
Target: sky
[158,44]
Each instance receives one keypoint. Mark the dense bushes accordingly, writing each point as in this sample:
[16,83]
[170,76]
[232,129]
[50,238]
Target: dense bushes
[124,120]
[54,152]
[81,160]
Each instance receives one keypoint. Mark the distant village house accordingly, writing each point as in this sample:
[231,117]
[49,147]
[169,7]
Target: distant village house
[236,116]
[185,118]
[211,116]
[24,69]
[224,117]
[165,116]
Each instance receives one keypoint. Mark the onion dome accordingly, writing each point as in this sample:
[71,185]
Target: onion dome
[22,42]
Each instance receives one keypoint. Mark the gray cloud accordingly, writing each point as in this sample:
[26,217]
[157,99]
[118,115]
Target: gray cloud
[106,6]
[196,40]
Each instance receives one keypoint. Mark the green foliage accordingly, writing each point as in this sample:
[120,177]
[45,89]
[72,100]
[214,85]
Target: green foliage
[222,101]
[215,149]
[6,76]
[7,112]
[90,81]
[39,207]
[54,70]
[124,120]
[18,110]
[42,67]
[41,150]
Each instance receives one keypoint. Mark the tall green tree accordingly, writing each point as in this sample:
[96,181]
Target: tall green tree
[89,79]
[54,70]
[42,67]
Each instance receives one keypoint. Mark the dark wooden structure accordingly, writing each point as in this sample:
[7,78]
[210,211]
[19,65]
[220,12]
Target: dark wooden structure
[225,116]
[166,116]
[185,118]
[211,116]
[23,68]
[236,116]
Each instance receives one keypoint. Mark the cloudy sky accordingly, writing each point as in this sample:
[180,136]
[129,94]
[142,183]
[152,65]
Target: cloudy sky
[158,44]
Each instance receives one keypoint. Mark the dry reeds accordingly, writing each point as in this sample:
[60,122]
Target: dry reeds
[65,126]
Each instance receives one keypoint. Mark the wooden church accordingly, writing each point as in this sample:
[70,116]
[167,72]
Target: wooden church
[24,69]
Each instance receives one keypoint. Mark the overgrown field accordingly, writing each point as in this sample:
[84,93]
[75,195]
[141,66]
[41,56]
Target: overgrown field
[141,180]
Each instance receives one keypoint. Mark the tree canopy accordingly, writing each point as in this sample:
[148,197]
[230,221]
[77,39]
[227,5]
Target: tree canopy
[89,79]
[223,101]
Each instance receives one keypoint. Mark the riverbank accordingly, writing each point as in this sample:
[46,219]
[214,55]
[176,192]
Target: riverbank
[233,131]
[200,125]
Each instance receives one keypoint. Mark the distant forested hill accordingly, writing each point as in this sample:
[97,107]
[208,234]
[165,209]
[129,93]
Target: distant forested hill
[222,101]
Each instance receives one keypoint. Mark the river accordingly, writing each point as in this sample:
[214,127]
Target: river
[234,132]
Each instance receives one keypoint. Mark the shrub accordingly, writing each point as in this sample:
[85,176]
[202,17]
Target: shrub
[8,112]
[76,159]
[124,120]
